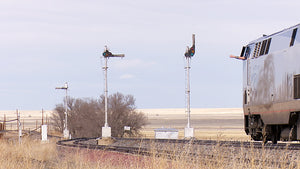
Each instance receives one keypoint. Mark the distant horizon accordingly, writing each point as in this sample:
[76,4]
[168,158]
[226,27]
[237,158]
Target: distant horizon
[20,110]
[137,108]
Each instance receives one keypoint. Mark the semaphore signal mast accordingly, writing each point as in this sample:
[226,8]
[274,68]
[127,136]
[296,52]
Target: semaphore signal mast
[190,52]
[106,130]
[66,131]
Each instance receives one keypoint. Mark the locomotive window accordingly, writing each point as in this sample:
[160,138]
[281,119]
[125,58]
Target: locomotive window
[297,38]
[243,50]
[247,53]
[297,86]
[293,37]
[281,41]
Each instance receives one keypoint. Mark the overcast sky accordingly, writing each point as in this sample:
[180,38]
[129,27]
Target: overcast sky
[44,44]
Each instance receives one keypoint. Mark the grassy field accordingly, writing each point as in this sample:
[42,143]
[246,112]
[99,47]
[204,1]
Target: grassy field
[34,154]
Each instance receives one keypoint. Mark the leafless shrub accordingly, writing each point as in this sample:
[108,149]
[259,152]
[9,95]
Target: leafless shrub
[58,117]
[86,116]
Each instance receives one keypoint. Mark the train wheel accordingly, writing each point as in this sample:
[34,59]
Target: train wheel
[274,138]
[292,134]
[265,135]
[256,137]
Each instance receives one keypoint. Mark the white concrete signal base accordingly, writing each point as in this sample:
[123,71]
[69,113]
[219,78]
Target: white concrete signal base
[106,132]
[44,133]
[66,134]
[188,132]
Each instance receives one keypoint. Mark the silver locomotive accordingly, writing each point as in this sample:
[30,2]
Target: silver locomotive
[271,86]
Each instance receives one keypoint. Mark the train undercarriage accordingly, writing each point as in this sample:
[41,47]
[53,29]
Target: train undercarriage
[259,131]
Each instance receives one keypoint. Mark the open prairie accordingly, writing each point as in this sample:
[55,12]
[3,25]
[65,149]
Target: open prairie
[219,123]
[30,119]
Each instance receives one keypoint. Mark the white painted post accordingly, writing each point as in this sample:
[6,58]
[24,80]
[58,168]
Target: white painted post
[188,131]
[66,131]
[106,130]
[44,133]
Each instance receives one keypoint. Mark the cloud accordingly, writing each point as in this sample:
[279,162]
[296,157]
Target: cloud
[127,76]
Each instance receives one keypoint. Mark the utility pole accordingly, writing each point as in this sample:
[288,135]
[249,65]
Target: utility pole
[42,116]
[4,123]
[106,130]
[19,126]
[190,52]
[66,131]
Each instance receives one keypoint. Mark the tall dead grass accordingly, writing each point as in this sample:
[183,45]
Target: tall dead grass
[29,154]
[34,154]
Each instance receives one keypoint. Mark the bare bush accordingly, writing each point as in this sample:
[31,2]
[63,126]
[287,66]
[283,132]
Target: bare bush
[86,116]
[122,112]
[58,117]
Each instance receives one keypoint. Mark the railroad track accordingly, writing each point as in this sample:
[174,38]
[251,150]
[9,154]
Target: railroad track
[209,151]
[80,143]
[83,143]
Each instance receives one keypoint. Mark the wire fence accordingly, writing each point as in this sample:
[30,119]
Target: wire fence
[25,124]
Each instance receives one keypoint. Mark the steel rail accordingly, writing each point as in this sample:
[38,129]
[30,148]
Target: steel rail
[77,142]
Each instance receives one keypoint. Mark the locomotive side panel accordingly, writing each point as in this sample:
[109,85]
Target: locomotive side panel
[271,86]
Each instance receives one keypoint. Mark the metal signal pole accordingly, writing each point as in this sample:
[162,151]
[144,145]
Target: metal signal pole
[190,52]
[188,91]
[106,130]
[105,92]
[66,131]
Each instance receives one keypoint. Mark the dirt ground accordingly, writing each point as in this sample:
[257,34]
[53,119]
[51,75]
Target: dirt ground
[222,123]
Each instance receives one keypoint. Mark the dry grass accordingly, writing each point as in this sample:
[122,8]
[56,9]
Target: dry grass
[221,124]
[34,154]
[29,154]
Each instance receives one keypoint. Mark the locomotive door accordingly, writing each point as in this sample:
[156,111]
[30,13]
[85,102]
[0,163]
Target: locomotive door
[247,88]
[248,81]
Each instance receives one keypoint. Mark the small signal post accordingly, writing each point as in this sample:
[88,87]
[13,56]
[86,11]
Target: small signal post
[106,130]
[190,52]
